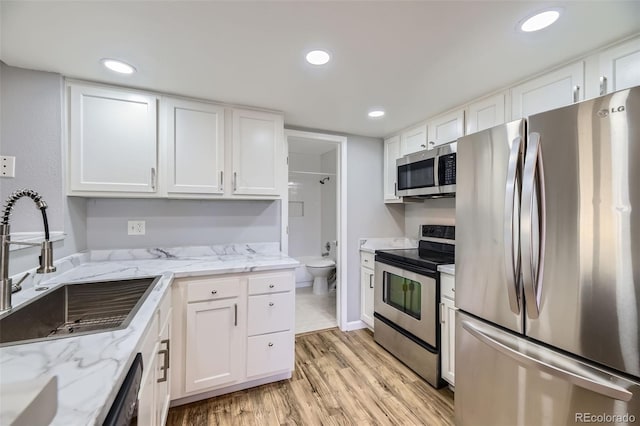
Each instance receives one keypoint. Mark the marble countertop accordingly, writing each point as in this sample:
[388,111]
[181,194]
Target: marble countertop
[91,368]
[370,245]
[447,269]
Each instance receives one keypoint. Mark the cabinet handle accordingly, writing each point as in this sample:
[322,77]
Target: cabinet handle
[432,143]
[235,314]
[235,181]
[370,281]
[270,303]
[603,85]
[163,342]
[270,344]
[395,189]
[221,179]
[271,286]
[576,94]
[442,321]
[423,145]
[153,178]
[214,292]
[164,367]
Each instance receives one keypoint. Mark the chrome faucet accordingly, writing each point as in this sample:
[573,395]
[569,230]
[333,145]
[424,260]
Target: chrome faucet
[46,251]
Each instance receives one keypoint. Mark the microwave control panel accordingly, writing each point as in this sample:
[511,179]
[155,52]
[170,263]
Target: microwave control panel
[447,169]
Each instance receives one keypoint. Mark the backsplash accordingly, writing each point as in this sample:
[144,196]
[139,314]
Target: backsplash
[440,211]
[171,223]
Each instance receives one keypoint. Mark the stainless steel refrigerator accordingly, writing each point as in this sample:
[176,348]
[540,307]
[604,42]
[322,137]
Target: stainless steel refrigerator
[548,268]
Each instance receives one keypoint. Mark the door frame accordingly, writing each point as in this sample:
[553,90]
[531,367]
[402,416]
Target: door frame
[341,212]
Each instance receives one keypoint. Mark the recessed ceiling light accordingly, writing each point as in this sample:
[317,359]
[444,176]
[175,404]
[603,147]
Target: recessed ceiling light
[318,57]
[376,113]
[118,66]
[540,20]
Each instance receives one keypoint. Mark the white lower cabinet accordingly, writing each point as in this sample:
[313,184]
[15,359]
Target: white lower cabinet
[210,363]
[367,285]
[447,328]
[231,330]
[154,395]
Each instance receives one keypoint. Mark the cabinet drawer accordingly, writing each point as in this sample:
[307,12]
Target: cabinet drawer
[209,289]
[447,286]
[269,313]
[270,353]
[367,259]
[271,283]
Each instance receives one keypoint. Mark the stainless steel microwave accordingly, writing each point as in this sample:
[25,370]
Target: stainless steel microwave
[428,174]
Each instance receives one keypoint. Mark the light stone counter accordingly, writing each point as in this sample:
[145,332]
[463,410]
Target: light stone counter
[372,244]
[91,368]
[447,269]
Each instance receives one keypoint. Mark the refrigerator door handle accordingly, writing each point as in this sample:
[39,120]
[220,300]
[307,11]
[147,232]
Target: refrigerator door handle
[532,264]
[511,259]
[602,387]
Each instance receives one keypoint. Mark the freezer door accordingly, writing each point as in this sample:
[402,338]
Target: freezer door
[487,211]
[504,380]
[580,230]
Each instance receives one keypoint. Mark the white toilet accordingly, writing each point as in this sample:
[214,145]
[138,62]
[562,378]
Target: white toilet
[321,268]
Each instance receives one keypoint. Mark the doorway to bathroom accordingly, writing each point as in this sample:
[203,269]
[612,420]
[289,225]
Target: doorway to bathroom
[313,226]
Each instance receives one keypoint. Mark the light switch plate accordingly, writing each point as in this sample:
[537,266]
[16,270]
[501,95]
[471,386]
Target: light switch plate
[7,166]
[136,227]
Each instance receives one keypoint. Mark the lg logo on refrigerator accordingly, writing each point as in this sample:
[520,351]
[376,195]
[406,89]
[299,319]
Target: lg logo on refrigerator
[605,112]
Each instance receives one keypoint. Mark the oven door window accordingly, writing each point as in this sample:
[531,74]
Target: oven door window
[402,294]
[416,175]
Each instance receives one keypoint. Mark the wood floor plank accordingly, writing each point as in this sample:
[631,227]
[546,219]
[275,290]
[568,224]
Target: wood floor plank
[339,379]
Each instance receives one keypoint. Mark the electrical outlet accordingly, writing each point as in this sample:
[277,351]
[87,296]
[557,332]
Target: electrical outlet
[7,166]
[136,227]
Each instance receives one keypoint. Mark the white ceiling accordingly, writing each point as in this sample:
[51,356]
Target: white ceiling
[414,59]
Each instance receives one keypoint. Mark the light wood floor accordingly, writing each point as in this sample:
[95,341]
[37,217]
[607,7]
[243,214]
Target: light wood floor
[339,379]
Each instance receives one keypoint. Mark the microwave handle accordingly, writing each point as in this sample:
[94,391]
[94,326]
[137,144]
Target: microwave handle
[436,170]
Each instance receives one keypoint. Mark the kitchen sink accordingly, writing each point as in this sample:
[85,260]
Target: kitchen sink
[76,309]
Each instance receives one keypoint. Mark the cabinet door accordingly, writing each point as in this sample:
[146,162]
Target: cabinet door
[112,140]
[391,154]
[366,289]
[446,128]
[195,147]
[486,113]
[448,339]
[554,90]
[147,402]
[258,157]
[163,374]
[213,345]
[413,139]
[620,67]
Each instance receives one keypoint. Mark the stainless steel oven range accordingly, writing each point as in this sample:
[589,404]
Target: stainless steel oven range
[406,299]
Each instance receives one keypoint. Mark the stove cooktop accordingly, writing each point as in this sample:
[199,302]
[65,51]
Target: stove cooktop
[429,254]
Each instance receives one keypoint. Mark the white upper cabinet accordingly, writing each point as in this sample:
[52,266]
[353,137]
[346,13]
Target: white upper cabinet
[553,90]
[258,157]
[391,154]
[194,147]
[112,141]
[620,67]
[445,128]
[413,139]
[486,113]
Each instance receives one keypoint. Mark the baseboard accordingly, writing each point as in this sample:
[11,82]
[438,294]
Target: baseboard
[355,325]
[230,389]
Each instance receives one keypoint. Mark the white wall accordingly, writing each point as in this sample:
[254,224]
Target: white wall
[328,203]
[367,215]
[31,105]
[441,211]
[304,197]
[171,223]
